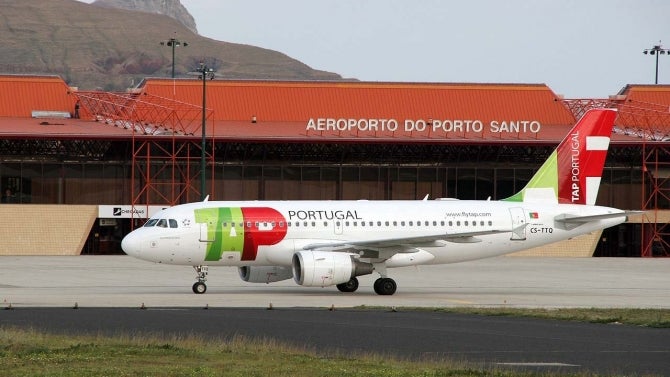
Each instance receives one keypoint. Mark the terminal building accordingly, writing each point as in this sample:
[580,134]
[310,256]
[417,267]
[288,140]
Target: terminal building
[80,169]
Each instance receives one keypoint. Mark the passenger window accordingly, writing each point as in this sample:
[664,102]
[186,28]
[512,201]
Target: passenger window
[490,223]
[451,223]
[362,223]
[402,223]
[458,223]
[465,223]
[313,224]
[395,223]
[346,223]
[442,223]
[305,223]
[386,223]
[434,223]
[379,223]
[411,223]
[173,223]
[371,223]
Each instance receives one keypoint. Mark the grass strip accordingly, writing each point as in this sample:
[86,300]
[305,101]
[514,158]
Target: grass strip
[31,353]
[655,318]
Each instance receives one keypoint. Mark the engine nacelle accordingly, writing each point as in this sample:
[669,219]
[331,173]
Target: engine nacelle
[264,274]
[322,269]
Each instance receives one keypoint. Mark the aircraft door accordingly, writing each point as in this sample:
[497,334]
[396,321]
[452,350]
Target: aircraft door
[518,223]
[205,234]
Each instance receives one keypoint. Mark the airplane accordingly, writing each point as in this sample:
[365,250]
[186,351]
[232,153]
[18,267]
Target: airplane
[326,243]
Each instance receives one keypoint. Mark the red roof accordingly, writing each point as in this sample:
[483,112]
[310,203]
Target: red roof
[301,101]
[644,111]
[21,95]
[43,128]
[372,111]
[291,111]
[650,94]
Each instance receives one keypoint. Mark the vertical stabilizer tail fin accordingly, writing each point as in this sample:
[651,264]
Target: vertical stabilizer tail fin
[572,172]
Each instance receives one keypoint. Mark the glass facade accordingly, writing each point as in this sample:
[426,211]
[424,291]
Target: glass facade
[102,176]
[109,183]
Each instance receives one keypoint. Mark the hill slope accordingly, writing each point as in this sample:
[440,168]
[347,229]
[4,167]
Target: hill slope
[94,47]
[172,8]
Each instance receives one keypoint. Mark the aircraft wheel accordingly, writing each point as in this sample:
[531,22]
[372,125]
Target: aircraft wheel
[199,288]
[385,286]
[350,286]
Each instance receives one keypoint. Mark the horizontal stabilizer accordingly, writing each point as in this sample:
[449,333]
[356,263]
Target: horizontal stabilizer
[570,221]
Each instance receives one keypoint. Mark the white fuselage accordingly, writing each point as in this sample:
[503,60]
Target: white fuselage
[268,233]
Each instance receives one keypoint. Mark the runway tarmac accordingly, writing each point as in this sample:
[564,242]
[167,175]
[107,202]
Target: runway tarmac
[497,342]
[110,289]
[122,281]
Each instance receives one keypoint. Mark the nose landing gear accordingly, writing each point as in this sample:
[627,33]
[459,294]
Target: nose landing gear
[199,287]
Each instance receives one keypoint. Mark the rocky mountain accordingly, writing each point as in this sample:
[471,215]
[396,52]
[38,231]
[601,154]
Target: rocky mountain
[170,8]
[112,49]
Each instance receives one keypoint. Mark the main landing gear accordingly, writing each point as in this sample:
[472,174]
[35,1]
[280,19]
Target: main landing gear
[383,286]
[350,286]
[199,287]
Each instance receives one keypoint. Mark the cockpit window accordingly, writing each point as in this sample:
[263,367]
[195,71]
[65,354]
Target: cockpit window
[151,223]
[173,223]
[162,223]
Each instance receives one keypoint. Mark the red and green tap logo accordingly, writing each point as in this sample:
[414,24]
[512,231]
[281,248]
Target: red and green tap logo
[240,229]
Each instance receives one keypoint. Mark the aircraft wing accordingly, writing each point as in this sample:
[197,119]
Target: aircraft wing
[402,244]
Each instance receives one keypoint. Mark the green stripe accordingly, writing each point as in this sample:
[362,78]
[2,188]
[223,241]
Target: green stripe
[546,177]
[220,224]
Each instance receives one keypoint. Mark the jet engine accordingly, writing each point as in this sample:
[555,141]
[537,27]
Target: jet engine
[264,274]
[322,269]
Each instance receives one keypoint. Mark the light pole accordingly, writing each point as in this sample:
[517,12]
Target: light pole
[205,73]
[656,50]
[173,42]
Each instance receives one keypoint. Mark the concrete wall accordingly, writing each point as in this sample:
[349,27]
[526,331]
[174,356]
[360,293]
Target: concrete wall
[578,247]
[34,229]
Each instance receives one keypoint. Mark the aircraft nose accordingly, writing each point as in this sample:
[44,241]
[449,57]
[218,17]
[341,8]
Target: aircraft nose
[131,244]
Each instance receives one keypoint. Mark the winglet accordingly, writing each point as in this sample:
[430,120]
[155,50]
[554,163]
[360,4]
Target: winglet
[572,172]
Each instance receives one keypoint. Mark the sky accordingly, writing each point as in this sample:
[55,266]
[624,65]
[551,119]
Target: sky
[580,49]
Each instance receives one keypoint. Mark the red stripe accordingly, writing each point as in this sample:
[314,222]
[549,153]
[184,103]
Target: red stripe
[575,163]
